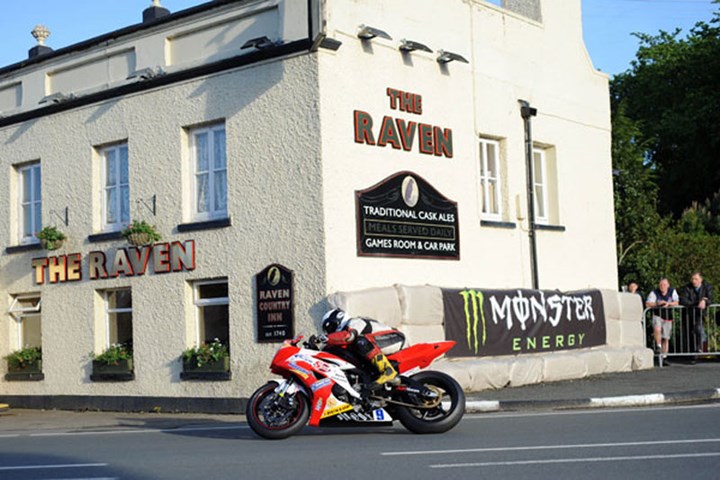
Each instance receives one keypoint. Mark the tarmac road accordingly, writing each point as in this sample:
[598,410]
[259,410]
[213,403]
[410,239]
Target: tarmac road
[668,442]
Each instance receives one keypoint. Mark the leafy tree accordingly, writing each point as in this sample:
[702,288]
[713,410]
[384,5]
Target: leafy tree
[672,91]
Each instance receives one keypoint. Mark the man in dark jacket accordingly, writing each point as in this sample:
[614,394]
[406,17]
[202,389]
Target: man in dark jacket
[696,296]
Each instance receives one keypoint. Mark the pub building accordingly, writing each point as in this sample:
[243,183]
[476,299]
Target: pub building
[285,150]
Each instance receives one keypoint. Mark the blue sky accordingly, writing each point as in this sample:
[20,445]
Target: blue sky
[607,23]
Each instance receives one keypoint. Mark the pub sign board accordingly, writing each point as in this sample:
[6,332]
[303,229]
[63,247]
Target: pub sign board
[404,216]
[512,322]
[275,304]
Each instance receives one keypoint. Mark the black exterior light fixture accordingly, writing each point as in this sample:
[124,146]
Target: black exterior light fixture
[259,43]
[367,33]
[407,46]
[447,57]
[58,97]
[147,73]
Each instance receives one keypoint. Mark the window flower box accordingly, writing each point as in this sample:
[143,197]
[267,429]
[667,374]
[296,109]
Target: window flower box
[25,364]
[209,361]
[113,365]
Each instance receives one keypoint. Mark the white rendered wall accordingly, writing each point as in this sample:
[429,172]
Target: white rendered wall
[511,58]
[274,199]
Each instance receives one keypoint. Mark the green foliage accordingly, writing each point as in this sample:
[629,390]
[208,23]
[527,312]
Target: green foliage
[206,353]
[50,235]
[114,354]
[666,111]
[671,91]
[24,357]
[142,227]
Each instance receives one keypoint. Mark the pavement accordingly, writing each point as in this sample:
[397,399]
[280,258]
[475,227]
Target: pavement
[681,383]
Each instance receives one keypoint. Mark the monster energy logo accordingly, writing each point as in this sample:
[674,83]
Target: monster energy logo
[474,300]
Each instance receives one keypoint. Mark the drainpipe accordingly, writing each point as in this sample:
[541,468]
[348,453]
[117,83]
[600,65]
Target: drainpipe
[527,112]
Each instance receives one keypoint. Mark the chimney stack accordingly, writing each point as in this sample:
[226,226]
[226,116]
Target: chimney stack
[154,12]
[41,33]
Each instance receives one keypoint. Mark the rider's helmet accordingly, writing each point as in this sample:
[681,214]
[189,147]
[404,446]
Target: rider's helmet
[332,320]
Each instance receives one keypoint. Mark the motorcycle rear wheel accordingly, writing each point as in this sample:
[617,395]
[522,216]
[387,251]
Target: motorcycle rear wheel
[441,418]
[275,417]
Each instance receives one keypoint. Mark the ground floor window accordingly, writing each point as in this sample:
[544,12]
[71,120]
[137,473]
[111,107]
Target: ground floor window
[211,311]
[25,310]
[118,317]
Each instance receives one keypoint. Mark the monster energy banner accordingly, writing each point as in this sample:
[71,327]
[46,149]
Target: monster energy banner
[511,322]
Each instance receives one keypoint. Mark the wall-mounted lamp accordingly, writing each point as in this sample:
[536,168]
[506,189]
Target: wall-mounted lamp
[58,97]
[447,57]
[366,32]
[407,46]
[259,43]
[147,73]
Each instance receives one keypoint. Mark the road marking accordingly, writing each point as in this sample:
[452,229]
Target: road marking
[577,460]
[48,467]
[142,430]
[552,447]
[483,405]
[623,401]
[613,411]
[9,436]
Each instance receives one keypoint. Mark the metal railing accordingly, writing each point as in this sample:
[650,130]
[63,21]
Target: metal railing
[694,332]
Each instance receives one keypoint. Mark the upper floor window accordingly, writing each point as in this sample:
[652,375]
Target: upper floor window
[30,190]
[116,195]
[490,179]
[540,184]
[209,172]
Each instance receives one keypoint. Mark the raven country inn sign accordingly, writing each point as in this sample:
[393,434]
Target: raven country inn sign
[161,257]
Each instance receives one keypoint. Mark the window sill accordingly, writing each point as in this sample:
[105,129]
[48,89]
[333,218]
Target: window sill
[208,225]
[207,376]
[104,237]
[550,228]
[24,377]
[497,224]
[113,377]
[29,247]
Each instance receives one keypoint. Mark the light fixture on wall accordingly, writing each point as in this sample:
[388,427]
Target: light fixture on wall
[57,97]
[447,57]
[147,73]
[259,43]
[366,32]
[407,46]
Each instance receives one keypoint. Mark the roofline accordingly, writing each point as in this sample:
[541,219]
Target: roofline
[298,46]
[138,27]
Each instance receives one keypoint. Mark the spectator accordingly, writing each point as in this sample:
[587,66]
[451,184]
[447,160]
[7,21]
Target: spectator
[660,300]
[633,287]
[695,297]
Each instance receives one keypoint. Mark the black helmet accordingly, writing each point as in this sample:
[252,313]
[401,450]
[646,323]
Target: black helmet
[332,320]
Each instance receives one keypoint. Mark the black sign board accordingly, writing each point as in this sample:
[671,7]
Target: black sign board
[513,322]
[404,216]
[274,303]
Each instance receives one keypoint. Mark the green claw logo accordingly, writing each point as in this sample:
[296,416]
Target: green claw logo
[476,299]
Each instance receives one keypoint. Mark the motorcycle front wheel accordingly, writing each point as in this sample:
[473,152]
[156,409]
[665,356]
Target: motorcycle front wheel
[274,417]
[439,410]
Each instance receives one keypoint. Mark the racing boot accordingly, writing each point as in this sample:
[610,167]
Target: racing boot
[386,370]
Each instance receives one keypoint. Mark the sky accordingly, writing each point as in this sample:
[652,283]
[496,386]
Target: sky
[608,24]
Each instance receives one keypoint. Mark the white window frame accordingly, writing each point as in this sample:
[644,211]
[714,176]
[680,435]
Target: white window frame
[112,227]
[21,312]
[206,302]
[543,184]
[212,213]
[486,179]
[109,311]
[35,198]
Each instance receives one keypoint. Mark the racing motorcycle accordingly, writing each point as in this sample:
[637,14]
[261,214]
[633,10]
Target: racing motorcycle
[328,386]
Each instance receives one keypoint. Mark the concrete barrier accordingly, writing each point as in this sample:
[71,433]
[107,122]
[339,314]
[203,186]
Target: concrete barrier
[418,312]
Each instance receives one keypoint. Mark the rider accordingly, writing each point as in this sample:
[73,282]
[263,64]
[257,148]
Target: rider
[361,335]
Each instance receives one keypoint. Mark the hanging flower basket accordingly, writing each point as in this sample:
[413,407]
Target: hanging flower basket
[140,233]
[139,239]
[51,238]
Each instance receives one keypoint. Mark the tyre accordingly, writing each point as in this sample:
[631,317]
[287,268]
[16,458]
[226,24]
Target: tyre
[275,417]
[437,419]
